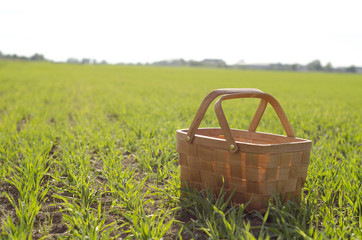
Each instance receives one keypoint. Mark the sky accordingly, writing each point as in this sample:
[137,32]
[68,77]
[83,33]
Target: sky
[132,31]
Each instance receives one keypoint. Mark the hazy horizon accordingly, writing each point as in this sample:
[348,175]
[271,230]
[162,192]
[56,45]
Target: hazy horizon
[145,32]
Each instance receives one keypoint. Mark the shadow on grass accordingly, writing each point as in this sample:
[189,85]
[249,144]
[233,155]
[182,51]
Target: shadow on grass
[212,215]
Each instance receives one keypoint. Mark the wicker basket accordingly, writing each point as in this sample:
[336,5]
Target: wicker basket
[256,165]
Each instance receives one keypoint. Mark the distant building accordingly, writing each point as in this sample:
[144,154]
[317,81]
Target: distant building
[213,63]
[170,62]
[339,69]
[242,65]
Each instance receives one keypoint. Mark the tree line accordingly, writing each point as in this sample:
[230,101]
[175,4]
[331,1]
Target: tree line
[40,57]
[35,57]
[317,66]
[314,65]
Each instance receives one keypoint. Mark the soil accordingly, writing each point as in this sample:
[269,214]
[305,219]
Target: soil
[6,208]
[22,122]
[49,220]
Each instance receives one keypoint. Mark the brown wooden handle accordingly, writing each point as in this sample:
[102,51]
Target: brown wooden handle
[206,103]
[265,98]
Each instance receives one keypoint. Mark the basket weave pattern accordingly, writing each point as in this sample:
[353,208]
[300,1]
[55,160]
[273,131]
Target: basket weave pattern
[255,165]
[250,174]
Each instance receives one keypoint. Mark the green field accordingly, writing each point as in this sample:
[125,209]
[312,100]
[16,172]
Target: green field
[88,152]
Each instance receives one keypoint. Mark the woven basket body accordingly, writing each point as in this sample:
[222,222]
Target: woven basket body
[255,165]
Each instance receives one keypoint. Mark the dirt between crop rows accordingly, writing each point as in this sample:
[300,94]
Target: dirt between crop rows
[49,220]
[49,212]
[6,208]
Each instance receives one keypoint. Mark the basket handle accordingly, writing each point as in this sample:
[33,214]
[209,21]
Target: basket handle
[206,103]
[265,98]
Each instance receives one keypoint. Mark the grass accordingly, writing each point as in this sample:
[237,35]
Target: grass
[89,152]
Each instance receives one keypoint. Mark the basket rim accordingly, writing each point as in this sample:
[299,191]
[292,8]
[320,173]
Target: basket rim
[299,144]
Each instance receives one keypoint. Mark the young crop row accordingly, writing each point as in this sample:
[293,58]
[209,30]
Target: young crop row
[89,152]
